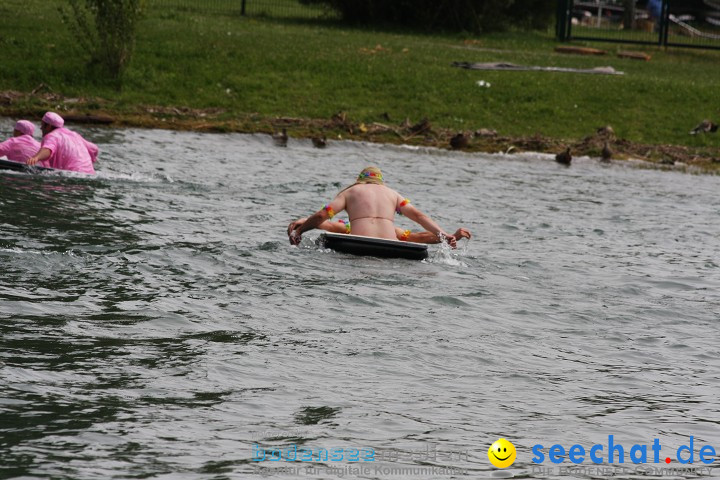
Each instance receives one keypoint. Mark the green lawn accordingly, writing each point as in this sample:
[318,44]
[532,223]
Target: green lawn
[188,57]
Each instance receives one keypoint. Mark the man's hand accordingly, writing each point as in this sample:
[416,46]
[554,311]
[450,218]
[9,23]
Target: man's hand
[449,239]
[42,155]
[462,233]
[295,225]
[292,231]
[295,237]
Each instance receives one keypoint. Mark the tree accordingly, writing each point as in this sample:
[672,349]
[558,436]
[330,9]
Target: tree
[108,37]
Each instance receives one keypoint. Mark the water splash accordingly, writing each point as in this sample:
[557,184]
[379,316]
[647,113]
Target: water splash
[445,255]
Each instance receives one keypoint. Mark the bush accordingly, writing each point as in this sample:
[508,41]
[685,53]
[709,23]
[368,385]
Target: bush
[474,16]
[109,37]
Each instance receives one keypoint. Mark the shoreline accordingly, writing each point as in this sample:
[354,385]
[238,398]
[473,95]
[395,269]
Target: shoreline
[420,133]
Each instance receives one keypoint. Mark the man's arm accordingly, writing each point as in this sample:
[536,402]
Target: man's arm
[41,156]
[317,218]
[415,237]
[92,149]
[429,237]
[327,225]
[426,222]
[6,146]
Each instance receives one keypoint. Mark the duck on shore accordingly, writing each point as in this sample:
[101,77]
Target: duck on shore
[606,153]
[706,126]
[280,138]
[564,158]
[319,142]
[606,131]
[459,141]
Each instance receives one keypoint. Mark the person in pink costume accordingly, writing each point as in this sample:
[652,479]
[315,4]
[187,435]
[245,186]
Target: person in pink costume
[21,145]
[62,148]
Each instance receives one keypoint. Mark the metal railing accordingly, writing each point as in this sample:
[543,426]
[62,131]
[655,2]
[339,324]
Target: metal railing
[672,23]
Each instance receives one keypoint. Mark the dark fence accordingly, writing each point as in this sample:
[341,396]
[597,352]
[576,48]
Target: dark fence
[675,23]
[258,8]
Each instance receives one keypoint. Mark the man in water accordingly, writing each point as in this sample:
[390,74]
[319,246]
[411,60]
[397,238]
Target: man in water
[371,207]
[62,148]
[21,145]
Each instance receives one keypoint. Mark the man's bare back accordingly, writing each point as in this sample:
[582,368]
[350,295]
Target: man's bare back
[371,207]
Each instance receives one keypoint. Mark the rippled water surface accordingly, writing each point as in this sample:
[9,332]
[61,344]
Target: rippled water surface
[155,322]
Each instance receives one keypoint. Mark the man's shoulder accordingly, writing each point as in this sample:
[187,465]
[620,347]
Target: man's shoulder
[53,138]
[389,191]
[28,139]
[58,132]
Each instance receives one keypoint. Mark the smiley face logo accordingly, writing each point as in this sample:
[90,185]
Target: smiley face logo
[502,453]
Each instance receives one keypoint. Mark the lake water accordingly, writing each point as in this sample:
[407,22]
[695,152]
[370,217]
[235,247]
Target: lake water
[156,323]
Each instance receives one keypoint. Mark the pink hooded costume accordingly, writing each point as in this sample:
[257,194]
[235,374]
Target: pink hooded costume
[68,150]
[20,148]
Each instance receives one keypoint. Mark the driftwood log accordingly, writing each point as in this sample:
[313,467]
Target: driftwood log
[88,118]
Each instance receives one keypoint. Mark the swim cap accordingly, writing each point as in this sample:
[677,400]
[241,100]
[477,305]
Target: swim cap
[25,127]
[52,118]
[370,175]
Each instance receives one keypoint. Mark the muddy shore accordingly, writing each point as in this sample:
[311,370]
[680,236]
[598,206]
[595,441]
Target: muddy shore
[340,126]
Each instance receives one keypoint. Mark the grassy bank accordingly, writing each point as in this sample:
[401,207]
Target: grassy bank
[213,69]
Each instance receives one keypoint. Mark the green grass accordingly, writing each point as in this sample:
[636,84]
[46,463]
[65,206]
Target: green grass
[188,57]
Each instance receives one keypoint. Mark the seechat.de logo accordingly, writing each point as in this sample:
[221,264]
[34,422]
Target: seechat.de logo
[502,453]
